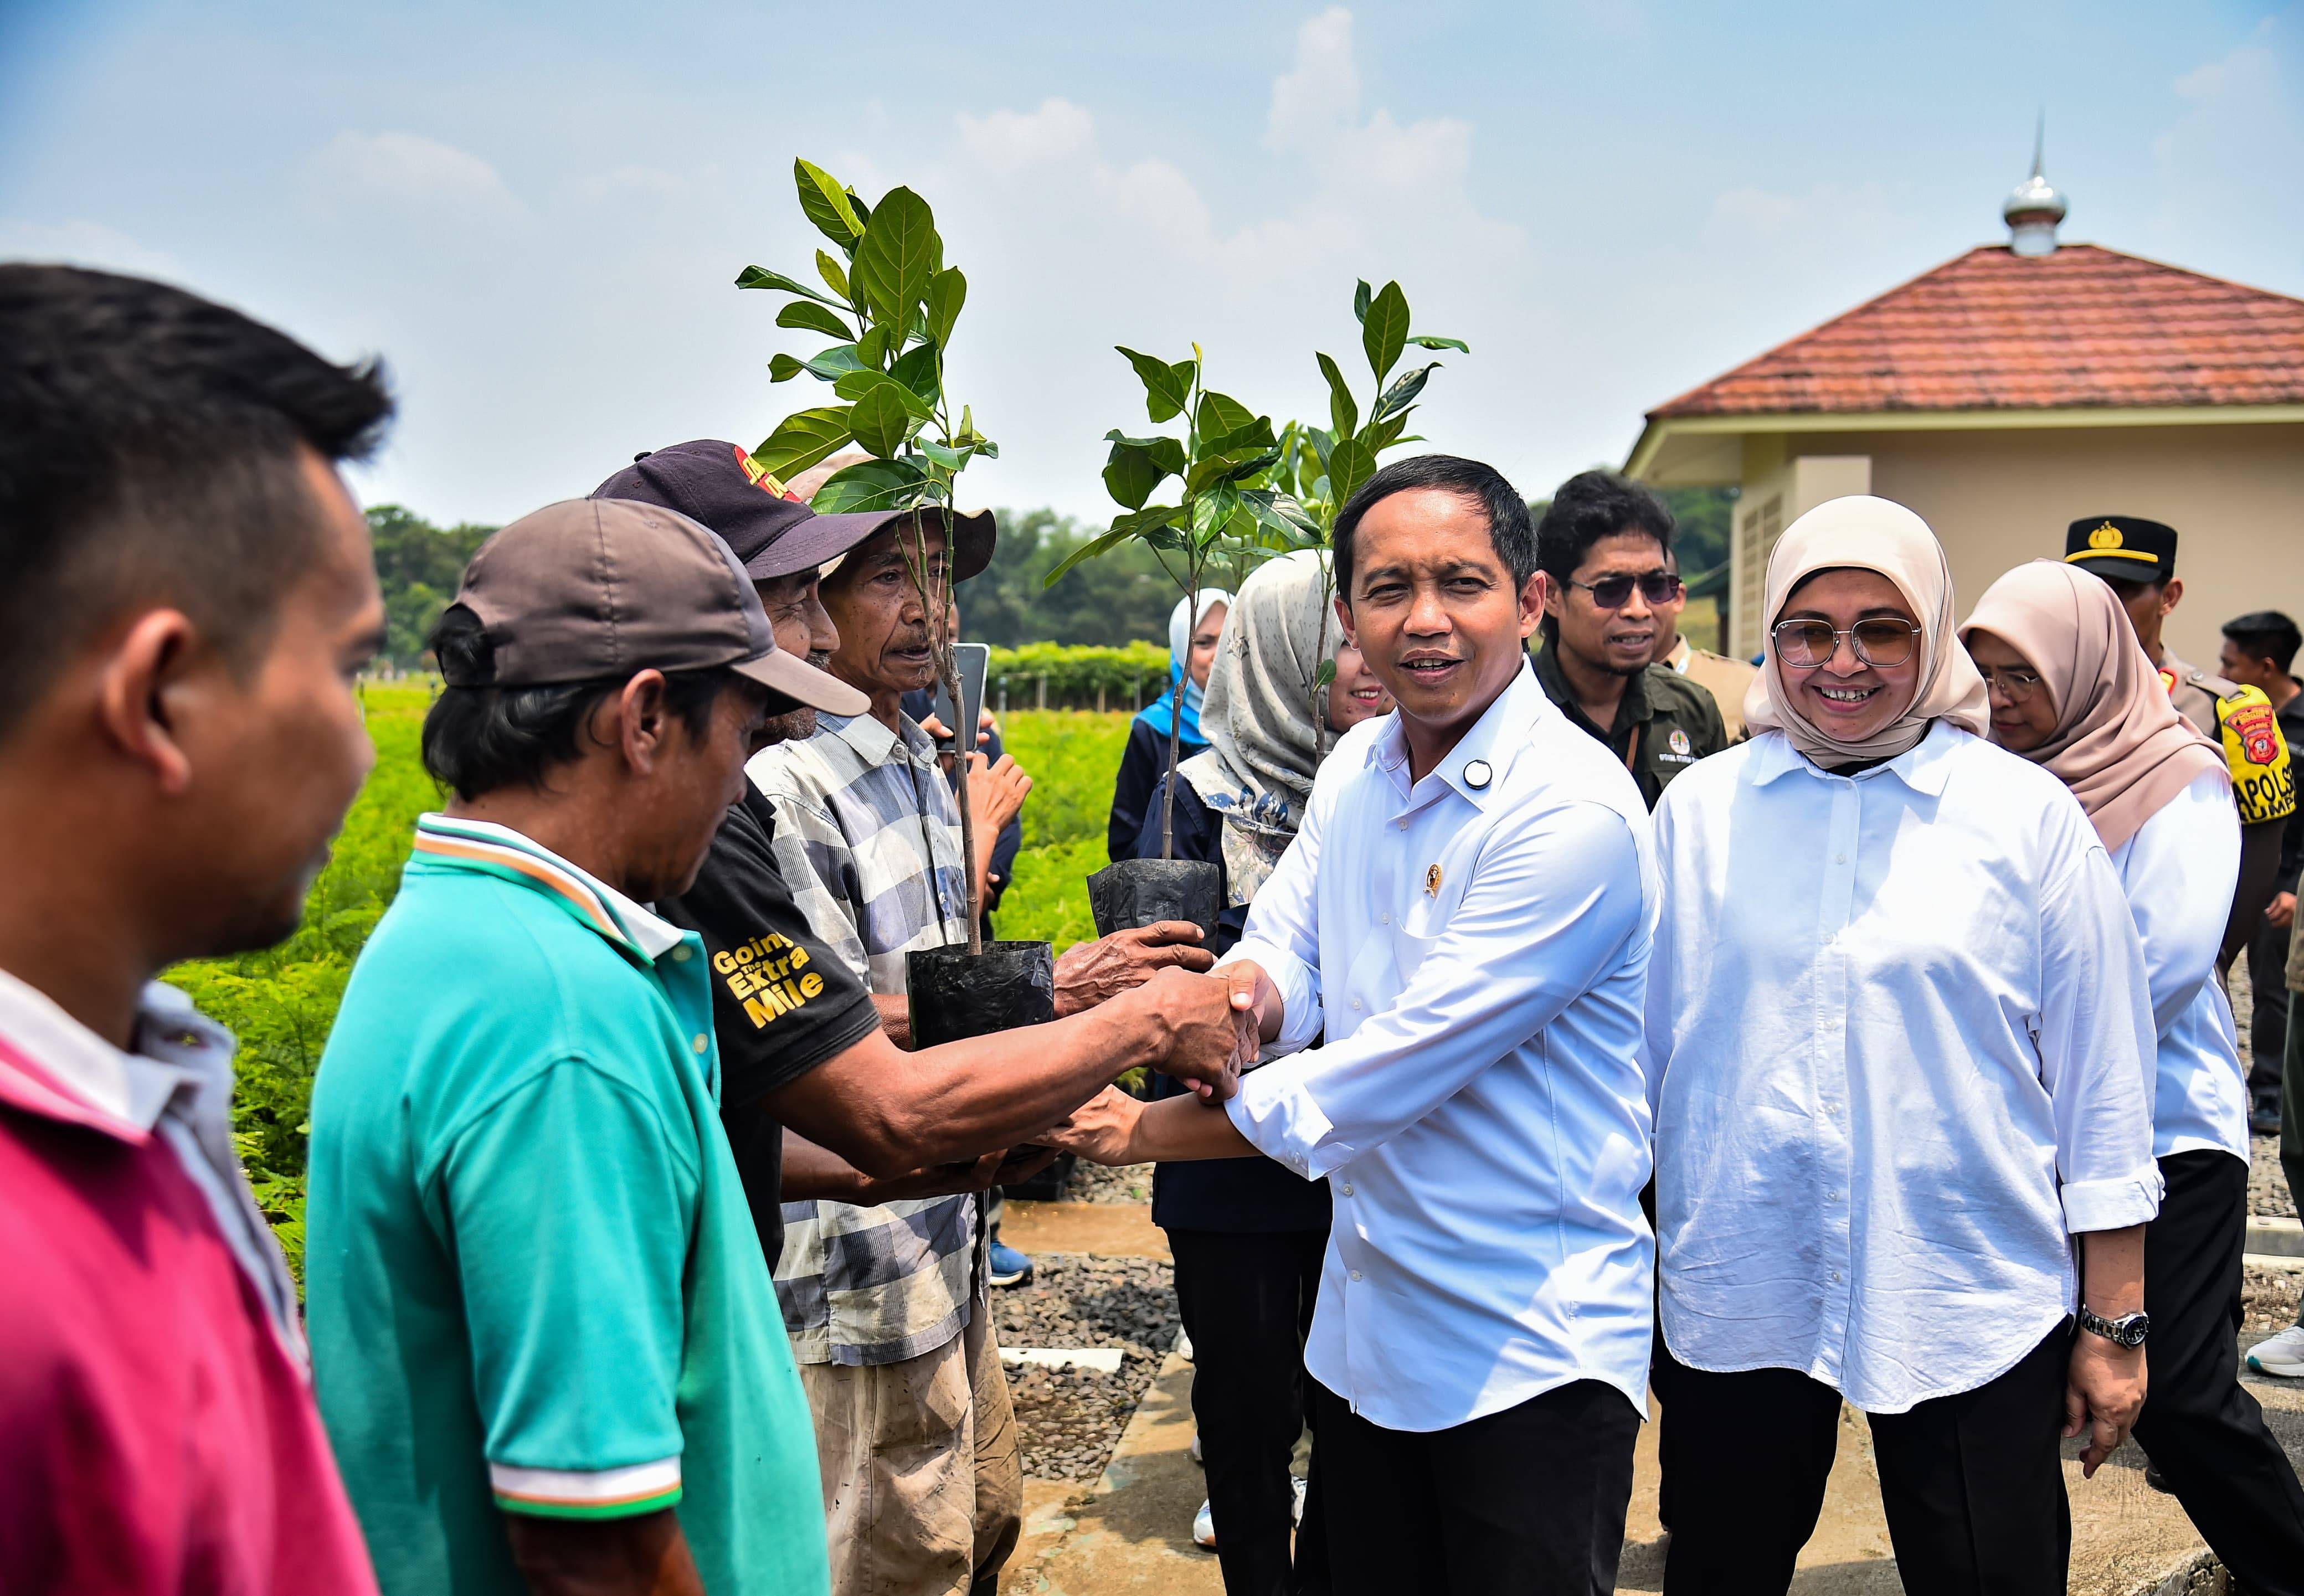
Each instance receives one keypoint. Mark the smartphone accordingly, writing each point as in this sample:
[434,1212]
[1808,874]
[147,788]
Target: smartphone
[972,660]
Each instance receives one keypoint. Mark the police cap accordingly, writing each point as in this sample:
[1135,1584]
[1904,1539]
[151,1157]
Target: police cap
[2122,548]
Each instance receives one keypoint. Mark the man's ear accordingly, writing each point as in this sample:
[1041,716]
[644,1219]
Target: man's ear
[642,721]
[144,688]
[2172,593]
[1533,598]
[1344,619]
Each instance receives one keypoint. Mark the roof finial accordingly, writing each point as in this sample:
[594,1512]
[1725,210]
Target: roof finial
[2034,209]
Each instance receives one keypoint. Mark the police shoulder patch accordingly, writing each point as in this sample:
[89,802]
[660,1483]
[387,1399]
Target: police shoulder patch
[2264,780]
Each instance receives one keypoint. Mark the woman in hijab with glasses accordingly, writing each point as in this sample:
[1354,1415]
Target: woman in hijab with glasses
[1898,1026]
[1192,634]
[2072,693]
[1249,1233]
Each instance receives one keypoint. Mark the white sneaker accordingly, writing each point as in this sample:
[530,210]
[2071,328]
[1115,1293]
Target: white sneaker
[1299,1483]
[2282,1354]
[1204,1528]
[1184,1347]
[1195,1450]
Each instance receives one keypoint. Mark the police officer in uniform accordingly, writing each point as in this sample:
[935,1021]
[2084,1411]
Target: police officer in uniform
[1604,543]
[2137,557]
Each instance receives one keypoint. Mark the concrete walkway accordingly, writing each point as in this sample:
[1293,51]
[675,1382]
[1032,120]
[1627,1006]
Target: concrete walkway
[1130,1531]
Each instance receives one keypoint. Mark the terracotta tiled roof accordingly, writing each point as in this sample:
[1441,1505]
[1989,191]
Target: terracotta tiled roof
[1993,330]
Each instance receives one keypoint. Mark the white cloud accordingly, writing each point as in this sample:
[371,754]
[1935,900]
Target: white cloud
[2237,151]
[407,169]
[1319,97]
[1009,141]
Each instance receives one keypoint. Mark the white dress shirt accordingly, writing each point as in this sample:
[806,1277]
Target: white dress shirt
[2179,871]
[1473,945]
[1900,1031]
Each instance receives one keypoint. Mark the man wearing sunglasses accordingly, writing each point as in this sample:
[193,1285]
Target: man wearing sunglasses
[1605,544]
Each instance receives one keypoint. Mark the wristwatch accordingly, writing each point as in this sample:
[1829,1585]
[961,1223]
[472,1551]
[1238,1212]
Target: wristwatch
[2127,1330]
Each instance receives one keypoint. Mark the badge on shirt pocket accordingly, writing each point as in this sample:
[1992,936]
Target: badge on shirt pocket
[1439,888]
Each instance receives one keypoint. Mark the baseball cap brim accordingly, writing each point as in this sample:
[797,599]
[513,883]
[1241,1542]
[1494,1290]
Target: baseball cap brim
[793,677]
[2118,567]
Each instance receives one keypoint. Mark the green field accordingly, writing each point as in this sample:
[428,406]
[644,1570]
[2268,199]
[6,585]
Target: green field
[282,1001]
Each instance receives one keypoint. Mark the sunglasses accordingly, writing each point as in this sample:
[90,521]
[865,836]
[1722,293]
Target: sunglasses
[1614,592]
[1880,641]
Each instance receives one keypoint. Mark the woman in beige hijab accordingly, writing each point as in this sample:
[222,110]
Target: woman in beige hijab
[2072,693]
[1897,1032]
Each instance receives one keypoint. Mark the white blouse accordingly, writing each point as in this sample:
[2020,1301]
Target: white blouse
[1898,1026]
[2179,871]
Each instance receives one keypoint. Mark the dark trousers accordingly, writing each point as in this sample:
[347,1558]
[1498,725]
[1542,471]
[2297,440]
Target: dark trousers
[2267,1024]
[1247,1303]
[2292,1114]
[2200,1425]
[1973,1483]
[1529,1501]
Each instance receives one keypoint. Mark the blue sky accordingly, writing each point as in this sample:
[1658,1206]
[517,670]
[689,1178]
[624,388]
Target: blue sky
[536,213]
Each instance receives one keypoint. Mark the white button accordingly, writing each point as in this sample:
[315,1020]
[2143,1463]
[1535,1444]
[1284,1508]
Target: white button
[1386,916]
[1356,1002]
[1840,859]
[1403,825]
[703,1044]
[1835,1274]
[1356,1274]
[1348,1190]
[1832,1196]
[680,954]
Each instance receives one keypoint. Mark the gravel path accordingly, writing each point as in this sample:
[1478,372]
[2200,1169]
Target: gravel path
[2268,1297]
[1093,1183]
[1069,1420]
[2268,1197]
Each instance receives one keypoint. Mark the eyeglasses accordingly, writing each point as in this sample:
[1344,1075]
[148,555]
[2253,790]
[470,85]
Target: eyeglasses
[2013,685]
[1880,641]
[1613,593]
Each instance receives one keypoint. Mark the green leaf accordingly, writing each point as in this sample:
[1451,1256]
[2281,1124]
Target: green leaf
[1360,302]
[783,368]
[1343,409]
[761,277]
[1325,674]
[802,439]
[1220,416]
[830,206]
[813,317]
[870,484]
[1377,436]
[896,258]
[1350,464]
[872,348]
[1123,528]
[917,370]
[858,384]
[1136,466]
[833,363]
[1167,389]
[1426,341]
[881,420]
[1395,400]
[947,292]
[1384,331]
[951,459]
[1284,517]
[1213,511]
[1233,466]
[830,270]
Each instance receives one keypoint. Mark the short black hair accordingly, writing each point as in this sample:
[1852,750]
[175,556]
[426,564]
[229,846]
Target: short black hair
[480,739]
[1588,507]
[149,453]
[1509,529]
[2266,634]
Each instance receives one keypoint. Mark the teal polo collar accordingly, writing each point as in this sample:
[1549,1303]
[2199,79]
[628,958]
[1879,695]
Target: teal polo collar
[498,850]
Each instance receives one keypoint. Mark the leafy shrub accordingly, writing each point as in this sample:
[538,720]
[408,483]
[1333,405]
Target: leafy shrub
[1072,757]
[1076,673]
[281,1001]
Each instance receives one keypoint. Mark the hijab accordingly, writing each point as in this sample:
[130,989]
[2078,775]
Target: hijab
[1863,533]
[1162,712]
[1256,773]
[2119,743]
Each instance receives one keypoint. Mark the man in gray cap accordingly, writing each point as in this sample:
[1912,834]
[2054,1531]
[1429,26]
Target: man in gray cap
[545,1337]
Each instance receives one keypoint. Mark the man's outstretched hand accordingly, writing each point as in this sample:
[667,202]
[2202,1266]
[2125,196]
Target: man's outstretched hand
[1091,973]
[1211,1026]
[1101,1130]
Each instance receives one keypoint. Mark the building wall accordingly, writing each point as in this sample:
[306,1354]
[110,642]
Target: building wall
[2234,492]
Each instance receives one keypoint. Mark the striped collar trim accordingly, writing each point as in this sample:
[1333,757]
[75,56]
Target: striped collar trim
[499,848]
[598,1493]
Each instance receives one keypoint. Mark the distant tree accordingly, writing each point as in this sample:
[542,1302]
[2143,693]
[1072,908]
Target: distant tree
[419,567]
[1123,597]
[1704,514]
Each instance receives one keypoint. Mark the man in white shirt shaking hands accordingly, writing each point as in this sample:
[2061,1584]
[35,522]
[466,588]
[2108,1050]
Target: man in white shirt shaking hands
[1472,959]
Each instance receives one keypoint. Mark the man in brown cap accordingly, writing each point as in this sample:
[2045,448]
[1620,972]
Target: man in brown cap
[544,1331]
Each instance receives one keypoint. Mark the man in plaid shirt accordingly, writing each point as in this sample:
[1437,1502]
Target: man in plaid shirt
[884,1304]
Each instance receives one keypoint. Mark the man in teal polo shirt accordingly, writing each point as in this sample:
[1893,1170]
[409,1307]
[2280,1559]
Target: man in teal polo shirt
[545,1345]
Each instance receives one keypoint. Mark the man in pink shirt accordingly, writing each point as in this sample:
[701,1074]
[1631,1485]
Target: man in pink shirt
[186,596]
